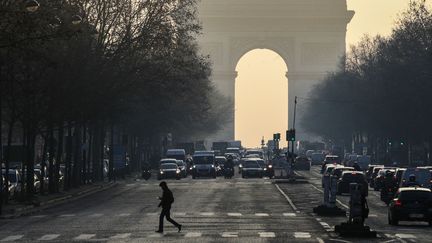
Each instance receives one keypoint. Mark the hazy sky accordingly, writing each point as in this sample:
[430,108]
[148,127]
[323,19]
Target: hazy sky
[261,87]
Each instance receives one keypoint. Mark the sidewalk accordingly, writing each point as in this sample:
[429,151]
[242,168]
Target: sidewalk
[15,209]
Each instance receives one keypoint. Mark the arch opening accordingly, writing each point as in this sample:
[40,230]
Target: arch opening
[261,96]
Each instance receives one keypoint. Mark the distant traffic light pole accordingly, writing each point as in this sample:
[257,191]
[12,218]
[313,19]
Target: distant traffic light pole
[293,130]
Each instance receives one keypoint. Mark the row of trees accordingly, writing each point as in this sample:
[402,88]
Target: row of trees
[382,91]
[78,74]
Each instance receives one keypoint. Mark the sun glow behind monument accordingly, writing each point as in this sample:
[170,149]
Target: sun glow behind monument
[261,97]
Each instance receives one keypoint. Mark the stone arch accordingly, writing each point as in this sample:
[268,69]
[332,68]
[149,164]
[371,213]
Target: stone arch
[308,34]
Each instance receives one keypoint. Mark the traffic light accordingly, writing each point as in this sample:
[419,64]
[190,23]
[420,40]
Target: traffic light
[290,135]
[276,136]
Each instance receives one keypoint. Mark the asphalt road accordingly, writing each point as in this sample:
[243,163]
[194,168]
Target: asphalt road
[210,210]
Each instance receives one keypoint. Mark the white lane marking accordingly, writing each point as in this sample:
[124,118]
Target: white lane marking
[124,214]
[96,215]
[302,235]
[120,236]
[207,214]
[406,236]
[373,215]
[49,237]
[130,184]
[193,234]
[267,183]
[157,235]
[67,215]
[38,216]
[152,214]
[179,214]
[337,200]
[12,238]
[325,225]
[235,214]
[286,197]
[230,234]
[267,234]
[289,214]
[84,236]
[320,240]
[262,214]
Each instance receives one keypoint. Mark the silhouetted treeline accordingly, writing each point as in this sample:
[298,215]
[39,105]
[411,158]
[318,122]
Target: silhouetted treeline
[82,75]
[382,94]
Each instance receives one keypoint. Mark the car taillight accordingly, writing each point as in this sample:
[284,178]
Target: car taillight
[398,203]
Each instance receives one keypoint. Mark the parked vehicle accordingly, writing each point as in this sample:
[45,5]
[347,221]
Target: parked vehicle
[14,178]
[204,165]
[376,169]
[327,171]
[169,171]
[411,204]
[251,168]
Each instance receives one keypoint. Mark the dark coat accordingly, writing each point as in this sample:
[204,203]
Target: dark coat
[167,199]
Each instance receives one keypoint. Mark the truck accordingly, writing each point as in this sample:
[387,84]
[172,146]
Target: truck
[220,147]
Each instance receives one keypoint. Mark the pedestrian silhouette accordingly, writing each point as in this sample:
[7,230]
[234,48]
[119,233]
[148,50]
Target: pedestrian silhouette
[166,200]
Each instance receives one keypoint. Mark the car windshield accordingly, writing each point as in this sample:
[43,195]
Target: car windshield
[168,166]
[423,176]
[203,160]
[168,161]
[261,163]
[251,164]
[415,195]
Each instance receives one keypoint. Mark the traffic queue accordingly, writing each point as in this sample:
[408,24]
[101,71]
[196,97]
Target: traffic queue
[405,190]
[210,164]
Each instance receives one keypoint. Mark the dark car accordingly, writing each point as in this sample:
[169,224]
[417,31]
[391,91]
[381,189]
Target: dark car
[370,171]
[374,175]
[351,177]
[169,171]
[411,204]
[302,163]
[251,168]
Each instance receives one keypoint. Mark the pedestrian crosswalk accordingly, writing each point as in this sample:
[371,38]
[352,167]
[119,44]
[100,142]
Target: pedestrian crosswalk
[176,214]
[119,237]
[188,183]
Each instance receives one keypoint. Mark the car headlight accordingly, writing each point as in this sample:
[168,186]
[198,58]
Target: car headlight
[240,165]
[161,172]
[213,166]
[265,168]
[194,166]
[270,166]
[177,171]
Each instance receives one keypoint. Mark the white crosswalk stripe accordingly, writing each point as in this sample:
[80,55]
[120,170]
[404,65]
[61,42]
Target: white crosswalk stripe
[120,236]
[406,236]
[302,235]
[38,216]
[49,237]
[207,214]
[124,214]
[234,214]
[193,234]
[12,238]
[84,237]
[230,234]
[289,214]
[152,214]
[262,214]
[179,214]
[67,215]
[267,234]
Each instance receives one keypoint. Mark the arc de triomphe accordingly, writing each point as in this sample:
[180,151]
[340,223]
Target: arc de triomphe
[308,34]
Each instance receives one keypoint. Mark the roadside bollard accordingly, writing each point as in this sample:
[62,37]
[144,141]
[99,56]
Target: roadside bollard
[329,208]
[355,227]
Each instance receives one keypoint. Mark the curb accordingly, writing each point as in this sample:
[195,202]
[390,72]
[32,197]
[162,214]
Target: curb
[27,210]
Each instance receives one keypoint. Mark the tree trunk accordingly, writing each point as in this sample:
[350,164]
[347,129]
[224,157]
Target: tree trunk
[67,175]
[7,157]
[59,157]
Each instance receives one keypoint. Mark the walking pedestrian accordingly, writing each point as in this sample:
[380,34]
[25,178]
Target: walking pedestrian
[166,200]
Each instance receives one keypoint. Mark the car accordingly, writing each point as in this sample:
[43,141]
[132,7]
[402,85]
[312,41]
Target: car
[349,177]
[330,159]
[370,171]
[251,168]
[14,177]
[317,158]
[375,171]
[167,160]
[257,152]
[169,171]
[182,167]
[398,176]
[204,165]
[337,171]
[423,177]
[411,204]
[302,163]
[327,171]
[179,154]
[309,153]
